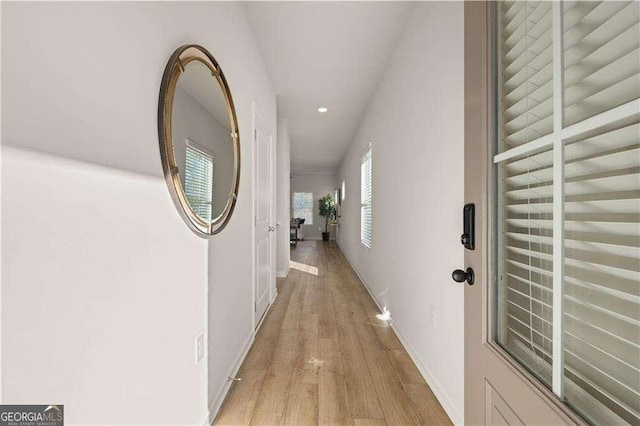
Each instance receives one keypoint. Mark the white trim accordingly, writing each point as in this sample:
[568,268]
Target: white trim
[558,198]
[449,407]
[264,315]
[216,404]
[283,274]
[615,117]
[524,148]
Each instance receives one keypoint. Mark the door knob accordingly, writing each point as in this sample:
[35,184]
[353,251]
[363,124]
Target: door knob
[271,229]
[459,276]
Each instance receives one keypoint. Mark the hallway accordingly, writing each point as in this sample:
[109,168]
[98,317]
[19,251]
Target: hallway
[323,357]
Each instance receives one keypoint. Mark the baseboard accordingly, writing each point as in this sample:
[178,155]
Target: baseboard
[283,274]
[214,406]
[456,417]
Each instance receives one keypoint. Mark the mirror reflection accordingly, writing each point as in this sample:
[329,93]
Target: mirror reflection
[202,143]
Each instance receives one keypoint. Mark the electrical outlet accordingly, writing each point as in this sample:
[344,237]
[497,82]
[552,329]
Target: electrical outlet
[432,315]
[199,347]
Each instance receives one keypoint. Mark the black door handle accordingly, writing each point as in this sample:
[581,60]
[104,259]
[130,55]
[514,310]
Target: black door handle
[459,276]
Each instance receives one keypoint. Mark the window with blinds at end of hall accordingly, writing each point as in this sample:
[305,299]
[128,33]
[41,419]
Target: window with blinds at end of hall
[366,234]
[198,182]
[568,200]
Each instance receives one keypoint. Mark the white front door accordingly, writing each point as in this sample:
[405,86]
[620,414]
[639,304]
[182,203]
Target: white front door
[263,223]
[552,325]
[497,391]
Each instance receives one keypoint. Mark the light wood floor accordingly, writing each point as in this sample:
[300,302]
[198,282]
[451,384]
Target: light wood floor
[322,357]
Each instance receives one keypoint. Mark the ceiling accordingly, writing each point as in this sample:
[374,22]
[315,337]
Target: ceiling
[329,54]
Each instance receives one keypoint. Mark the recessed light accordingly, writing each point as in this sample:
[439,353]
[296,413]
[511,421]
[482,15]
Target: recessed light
[323,109]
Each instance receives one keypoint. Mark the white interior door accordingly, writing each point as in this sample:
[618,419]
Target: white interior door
[263,221]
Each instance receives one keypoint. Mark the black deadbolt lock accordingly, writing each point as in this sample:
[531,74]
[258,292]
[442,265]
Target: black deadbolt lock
[468,238]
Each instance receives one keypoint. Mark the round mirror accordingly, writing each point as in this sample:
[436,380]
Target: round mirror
[199,141]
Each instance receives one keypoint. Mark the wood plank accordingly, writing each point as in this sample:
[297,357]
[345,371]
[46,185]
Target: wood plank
[307,361]
[357,310]
[285,352]
[309,326]
[272,400]
[404,367]
[363,399]
[397,408]
[388,337]
[341,307]
[305,368]
[426,405]
[243,397]
[326,317]
[370,422]
[261,353]
[333,402]
[311,296]
[294,310]
[368,337]
[302,406]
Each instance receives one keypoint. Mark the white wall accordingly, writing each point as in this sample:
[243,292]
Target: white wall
[415,124]
[104,288]
[320,185]
[283,178]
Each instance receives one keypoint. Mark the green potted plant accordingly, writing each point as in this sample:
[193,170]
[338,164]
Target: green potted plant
[326,208]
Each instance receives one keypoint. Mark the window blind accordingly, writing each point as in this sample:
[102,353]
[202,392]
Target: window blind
[198,181]
[526,191]
[365,200]
[568,87]
[602,213]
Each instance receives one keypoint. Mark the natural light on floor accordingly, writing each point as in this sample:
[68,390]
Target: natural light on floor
[385,315]
[304,268]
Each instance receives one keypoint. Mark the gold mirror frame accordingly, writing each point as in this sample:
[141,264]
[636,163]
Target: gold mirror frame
[175,67]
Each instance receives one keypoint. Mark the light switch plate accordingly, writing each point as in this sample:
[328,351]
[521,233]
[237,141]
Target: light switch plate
[199,347]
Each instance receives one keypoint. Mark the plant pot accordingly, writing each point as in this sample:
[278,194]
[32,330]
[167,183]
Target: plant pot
[325,236]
